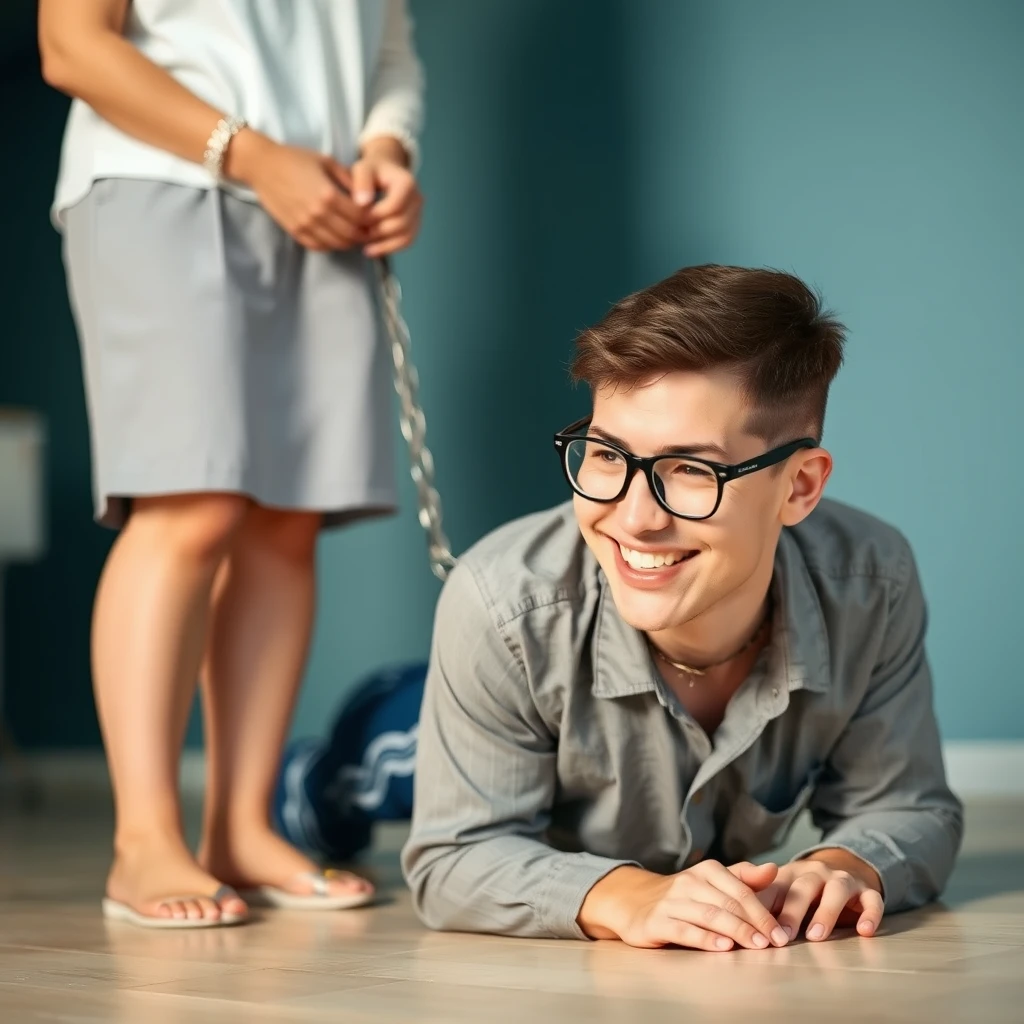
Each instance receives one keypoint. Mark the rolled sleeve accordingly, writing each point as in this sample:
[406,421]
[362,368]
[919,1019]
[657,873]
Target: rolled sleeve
[485,783]
[884,795]
[395,102]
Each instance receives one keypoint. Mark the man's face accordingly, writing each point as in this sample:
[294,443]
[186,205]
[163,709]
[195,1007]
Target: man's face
[716,561]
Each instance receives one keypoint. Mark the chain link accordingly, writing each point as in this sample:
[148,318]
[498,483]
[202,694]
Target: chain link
[413,422]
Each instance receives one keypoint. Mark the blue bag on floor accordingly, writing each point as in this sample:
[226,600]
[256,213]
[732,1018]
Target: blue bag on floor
[330,791]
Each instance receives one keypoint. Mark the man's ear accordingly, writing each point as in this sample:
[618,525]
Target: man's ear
[807,475]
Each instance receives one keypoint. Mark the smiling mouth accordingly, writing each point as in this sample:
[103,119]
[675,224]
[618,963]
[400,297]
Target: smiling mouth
[649,560]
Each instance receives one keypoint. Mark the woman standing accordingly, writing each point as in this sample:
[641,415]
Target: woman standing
[228,168]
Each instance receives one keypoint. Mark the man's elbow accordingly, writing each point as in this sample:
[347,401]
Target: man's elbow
[423,876]
[942,841]
[953,819]
[434,912]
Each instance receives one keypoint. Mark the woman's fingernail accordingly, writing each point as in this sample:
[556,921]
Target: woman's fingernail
[780,936]
[788,931]
[363,198]
[760,941]
[867,927]
[816,931]
[723,943]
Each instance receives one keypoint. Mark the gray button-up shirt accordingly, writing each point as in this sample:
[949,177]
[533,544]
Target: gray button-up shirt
[550,751]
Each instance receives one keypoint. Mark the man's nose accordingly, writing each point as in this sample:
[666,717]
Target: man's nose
[638,512]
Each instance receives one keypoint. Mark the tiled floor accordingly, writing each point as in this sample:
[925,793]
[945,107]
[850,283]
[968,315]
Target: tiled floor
[59,962]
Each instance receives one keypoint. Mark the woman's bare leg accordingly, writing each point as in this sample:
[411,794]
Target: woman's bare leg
[259,640]
[149,628]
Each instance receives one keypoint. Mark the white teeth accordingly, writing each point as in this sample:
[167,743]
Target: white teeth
[648,559]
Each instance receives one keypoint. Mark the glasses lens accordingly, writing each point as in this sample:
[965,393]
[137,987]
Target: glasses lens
[689,488]
[596,470]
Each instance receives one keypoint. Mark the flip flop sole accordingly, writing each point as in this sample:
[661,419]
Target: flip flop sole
[270,896]
[114,911]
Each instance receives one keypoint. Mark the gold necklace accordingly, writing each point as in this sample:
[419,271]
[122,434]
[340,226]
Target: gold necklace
[694,672]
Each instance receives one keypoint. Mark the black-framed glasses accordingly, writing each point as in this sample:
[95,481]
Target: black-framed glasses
[683,485]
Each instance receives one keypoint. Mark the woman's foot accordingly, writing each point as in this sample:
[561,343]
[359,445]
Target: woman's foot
[257,856]
[158,877]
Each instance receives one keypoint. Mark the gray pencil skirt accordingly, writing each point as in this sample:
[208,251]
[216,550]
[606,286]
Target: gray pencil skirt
[221,356]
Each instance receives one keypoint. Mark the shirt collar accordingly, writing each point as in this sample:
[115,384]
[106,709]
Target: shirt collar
[622,662]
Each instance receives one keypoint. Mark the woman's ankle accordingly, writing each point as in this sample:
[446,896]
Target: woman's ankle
[160,835]
[227,823]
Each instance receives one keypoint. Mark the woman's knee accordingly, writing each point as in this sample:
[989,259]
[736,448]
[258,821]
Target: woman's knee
[286,534]
[199,527]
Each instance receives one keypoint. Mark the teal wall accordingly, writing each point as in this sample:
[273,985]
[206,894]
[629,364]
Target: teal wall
[876,149]
[47,605]
[577,150]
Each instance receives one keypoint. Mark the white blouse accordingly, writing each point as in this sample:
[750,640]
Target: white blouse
[324,74]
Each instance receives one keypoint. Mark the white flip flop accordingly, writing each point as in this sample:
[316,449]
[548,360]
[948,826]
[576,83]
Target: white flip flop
[115,911]
[319,899]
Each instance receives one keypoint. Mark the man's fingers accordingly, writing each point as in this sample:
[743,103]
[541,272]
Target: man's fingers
[773,899]
[801,896]
[730,911]
[838,891]
[715,919]
[757,876]
[744,901]
[690,936]
[872,909]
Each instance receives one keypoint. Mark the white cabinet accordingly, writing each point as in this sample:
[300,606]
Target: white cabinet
[22,518]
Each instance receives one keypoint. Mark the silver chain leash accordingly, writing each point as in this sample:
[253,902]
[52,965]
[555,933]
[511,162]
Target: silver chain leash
[413,422]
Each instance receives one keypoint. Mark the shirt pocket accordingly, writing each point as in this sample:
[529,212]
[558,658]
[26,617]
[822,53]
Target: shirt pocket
[752,829]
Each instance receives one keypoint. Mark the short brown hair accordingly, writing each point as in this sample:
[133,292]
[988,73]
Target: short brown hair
[766,326]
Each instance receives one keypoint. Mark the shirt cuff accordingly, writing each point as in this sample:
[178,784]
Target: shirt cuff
[567,888]
[877,850]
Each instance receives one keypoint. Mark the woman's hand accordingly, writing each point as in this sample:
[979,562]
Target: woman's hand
[383,185]
[307,193]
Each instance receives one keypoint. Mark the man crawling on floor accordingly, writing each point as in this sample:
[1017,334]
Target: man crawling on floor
[631,694]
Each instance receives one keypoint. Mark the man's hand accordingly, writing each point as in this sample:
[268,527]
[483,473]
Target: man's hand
[844,889]
[707,907]
[394,219]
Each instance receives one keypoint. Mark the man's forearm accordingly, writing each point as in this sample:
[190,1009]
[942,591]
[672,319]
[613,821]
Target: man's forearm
[505,885]
[614,899]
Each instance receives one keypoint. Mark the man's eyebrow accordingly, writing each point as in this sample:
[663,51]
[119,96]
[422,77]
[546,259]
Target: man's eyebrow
[702,448]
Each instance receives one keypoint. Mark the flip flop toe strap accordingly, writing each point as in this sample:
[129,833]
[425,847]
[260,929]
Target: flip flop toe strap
[319,882]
